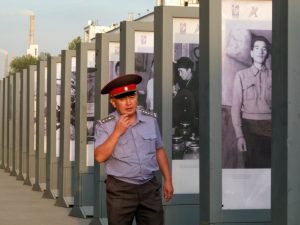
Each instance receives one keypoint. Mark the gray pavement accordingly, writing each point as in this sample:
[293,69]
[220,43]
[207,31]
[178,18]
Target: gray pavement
[19,205]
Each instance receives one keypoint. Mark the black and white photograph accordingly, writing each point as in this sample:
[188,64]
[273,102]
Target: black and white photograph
[35,108]
[114,60]
[185,110]
[114,64]
[144,66]
[246,104]
[45,112]
[72,114]
[185,92]
[58,106]
[247,88]
[91,75]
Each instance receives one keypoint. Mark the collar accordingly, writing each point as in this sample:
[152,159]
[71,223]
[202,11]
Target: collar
[255,70]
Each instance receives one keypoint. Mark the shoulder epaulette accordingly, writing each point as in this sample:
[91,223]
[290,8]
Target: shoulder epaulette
[148,113]
[107,119]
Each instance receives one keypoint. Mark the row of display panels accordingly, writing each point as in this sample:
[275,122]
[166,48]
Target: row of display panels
[245,179]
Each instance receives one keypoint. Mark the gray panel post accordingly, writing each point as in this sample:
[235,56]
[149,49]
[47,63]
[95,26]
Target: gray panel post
[285,198]
[12,127]
[23,129]
[84,175]
[210,64]
[65,165]
[16,124]
[10,153]
[40,154]
[210,68]
[127,43]
[1,125]
[30,157]
[51,158]
[101,111]
[184,208]
[5,121]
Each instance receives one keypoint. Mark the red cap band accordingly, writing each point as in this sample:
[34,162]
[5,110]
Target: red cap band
[123,89]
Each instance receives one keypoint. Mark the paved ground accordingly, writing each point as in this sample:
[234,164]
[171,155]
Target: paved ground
[19,205]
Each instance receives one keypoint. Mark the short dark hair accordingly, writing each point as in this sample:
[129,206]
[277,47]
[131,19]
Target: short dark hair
[256,38]
[185,62]
[116,66]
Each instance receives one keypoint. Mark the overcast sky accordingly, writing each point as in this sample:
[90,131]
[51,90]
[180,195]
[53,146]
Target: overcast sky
[57,22]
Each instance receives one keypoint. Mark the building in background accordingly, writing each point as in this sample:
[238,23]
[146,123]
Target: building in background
[93,28]
[178,2]
[33,48]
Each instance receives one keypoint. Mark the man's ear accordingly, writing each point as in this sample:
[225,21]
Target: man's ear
[112,101]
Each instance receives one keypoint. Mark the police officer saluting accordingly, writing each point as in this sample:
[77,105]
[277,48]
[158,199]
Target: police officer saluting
[128,141]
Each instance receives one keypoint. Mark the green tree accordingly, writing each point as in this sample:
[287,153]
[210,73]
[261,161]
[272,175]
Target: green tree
[22,62]
[74,42]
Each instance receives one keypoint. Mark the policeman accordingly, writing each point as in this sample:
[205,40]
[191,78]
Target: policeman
[128,141]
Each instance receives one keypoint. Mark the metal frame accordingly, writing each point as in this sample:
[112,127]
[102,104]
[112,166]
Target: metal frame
[84,175]
[30,157]
[23,126]
[40,155]
[210,130]
[51,159]
[66,174]
[5,123]
[286,121]
[1,124]
[16,124]
[184,208]
[101,110]
[4,149]
[10,125]
[127,43]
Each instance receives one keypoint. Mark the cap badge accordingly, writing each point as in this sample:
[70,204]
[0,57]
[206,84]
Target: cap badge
[125,88]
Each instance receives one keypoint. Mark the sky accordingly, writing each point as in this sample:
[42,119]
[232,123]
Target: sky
[57,22]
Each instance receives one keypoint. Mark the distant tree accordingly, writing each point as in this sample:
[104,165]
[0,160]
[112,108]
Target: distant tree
[22,62]
[73,43]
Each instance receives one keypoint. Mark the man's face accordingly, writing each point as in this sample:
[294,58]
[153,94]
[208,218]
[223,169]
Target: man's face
[185,74]
[259,52]
[125,105]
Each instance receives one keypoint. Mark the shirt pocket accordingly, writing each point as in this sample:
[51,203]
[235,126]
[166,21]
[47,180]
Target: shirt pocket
[122,148]
[249,92]
[148,140]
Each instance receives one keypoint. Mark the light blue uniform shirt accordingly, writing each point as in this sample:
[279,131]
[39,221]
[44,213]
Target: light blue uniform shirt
[134,158]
